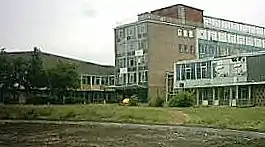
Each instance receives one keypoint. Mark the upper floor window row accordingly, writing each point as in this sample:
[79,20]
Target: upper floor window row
[185,33]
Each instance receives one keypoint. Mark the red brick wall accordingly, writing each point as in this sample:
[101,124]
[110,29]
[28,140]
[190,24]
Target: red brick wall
[168,12]
[194,15]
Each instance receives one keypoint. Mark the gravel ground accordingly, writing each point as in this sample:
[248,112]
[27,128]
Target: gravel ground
[68,134]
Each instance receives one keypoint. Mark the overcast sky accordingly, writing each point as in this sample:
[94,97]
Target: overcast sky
[83,29]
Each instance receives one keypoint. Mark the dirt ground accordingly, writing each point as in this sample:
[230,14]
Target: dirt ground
[122,135]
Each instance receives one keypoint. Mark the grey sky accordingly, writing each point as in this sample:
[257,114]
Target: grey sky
[83,29]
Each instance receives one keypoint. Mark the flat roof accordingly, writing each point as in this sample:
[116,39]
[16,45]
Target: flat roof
[170,7]
[175,6]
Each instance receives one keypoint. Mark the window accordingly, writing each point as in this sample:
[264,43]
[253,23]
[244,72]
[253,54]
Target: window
[142,44]
[203,69]
[222,36]
[258,43]
[97,80]
[191,34]
[93,80]
[88,80]
[179,32]
[84,80]
[240,39]
[131,62]
[180,48]
[186,48]
[192,70]
[233,38]
[103,81]
[192,50]
[124,78]
[183,72]
[134,79]
[185,33]
[198,70]
[259,30]
[249,41]
[178,72]
[202,48]
[188,73]
[131,78]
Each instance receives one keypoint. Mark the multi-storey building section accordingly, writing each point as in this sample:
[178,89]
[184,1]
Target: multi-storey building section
[147,48]
[233,80]
[219,37]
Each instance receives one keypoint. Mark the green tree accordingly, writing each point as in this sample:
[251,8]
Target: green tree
[6,67]
[20,74]
[63,77]
[37,74]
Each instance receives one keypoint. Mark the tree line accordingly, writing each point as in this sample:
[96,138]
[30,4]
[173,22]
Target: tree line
[30,74]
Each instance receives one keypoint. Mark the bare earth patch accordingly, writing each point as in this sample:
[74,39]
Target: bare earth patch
[178,117]
[120,135]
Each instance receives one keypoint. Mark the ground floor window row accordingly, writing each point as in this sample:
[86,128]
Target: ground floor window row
[230,96]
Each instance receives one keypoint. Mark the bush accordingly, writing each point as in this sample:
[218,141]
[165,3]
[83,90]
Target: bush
[133,101]
[183,99]
[156,102]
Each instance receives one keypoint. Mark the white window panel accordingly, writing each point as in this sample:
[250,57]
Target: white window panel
[229,38]
[185,33]
[201,34]
[214,35]
[263,43]
[217,23]
[241,39]
[235,26]
[252,30]
[245,28]
[222,36]
[258,43]
[240,27]
[259,31]
[191,34]
[225,24]
[233,38]
[229,25]
[207,22]
[249,41]
[180,32]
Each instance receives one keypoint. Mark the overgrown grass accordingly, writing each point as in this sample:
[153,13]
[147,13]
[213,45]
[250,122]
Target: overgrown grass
[112,113]
[219,117]
[227,117]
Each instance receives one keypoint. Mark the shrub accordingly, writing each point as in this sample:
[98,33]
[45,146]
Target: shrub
[156,102]
[133,101]
[183,99]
